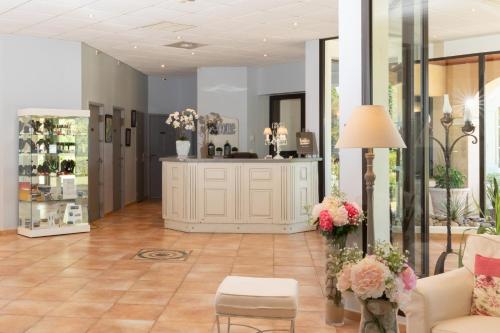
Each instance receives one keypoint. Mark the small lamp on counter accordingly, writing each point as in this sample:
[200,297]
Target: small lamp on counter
[276,135]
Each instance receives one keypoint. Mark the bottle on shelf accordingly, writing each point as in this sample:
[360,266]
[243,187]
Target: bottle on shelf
[227,149]
[211,150]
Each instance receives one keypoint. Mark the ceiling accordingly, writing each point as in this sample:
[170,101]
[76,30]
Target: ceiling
[454,19]
[234,32]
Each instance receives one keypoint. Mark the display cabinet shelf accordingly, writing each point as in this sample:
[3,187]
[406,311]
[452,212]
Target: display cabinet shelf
[53,168]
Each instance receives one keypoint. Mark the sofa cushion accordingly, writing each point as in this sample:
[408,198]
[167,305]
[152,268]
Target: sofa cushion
[485,245]
[257,297]
[486,295]
[469,324]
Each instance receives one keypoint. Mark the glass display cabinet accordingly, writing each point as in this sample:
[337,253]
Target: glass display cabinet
[53,172]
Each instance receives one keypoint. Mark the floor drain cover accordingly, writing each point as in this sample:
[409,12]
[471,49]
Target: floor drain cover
[163,254]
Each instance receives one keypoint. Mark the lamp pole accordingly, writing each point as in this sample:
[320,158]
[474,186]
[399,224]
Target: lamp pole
[370,182]
[467,130]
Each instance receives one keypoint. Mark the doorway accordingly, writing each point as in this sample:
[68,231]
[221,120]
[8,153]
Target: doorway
[117,158]
[289,110]
[95,184]
[139,127]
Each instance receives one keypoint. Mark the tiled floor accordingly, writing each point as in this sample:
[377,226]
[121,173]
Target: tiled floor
[90,283]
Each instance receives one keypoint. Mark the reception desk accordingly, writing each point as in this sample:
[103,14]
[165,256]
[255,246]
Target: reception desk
[238,195]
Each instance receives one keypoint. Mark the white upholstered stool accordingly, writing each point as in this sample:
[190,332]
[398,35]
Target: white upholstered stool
[250,297]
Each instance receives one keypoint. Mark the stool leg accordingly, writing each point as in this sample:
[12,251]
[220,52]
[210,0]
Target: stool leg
[228,324]
[292,326]
[218,323]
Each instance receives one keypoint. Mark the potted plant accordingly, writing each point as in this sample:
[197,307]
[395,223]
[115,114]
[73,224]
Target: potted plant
[336,218]
[183,122]
[383,283]
[438,193]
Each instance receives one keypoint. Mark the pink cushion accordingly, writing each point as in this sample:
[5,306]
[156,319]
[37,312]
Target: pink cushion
[486,296]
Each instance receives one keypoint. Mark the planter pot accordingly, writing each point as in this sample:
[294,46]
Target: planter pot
[438,198]
[182,148]
[378,316]
[334,313]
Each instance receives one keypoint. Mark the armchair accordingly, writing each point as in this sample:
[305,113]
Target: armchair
[442,303]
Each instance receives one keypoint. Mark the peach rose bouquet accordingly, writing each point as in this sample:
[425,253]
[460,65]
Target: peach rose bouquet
[383,275]
[383,282]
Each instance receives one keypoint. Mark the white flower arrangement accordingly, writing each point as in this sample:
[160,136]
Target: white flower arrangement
[183,121]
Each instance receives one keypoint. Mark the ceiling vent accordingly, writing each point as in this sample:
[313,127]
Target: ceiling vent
[185,45]
[168,26]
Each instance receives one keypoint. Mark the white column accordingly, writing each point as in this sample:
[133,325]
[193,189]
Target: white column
[380,68]
[350,92]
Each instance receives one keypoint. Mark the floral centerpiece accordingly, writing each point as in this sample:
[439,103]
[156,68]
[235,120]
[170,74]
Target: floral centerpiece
[183,122]
[336,218]
[383,282]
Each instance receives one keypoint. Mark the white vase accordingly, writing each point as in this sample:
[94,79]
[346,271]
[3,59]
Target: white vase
[182,148]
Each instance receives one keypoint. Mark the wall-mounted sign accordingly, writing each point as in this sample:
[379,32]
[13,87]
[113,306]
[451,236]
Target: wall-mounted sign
[306,143]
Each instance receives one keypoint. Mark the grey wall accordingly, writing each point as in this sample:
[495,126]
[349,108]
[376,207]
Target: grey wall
[34,72]
[114,84]
[174,93]
[282,78]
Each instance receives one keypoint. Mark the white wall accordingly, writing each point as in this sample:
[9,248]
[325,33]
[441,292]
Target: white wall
[312,87]
[223,90]
[489,43]
[114,84]
[34,72]
[174,93]
[258,113]
[281,78]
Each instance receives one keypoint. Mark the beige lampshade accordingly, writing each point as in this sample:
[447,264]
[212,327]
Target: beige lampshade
[282,131]
[370,126]
[267,131]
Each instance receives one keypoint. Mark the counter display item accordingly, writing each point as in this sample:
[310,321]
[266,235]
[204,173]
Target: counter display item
[53,167]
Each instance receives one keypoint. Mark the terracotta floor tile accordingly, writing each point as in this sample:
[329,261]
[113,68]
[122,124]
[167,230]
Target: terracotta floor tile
[16,324]
[62,325]
[28,307]
[50,293]
[96,295]
[90,282]
[81,310]
[145,297]
[10,293]
[182,327]
[122,326]
[134,311]
[110,284]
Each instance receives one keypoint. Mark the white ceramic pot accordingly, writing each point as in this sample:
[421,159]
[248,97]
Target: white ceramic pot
[182,148]
[438,198]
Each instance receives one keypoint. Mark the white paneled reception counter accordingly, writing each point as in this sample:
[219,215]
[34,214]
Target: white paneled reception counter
[238,195]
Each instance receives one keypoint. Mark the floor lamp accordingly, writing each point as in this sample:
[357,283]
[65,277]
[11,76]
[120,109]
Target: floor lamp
[370,126]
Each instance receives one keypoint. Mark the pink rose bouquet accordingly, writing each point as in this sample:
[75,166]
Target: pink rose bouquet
[336,218]
[383,275]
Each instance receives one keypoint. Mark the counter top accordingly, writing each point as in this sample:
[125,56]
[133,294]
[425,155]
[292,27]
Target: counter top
[239,160]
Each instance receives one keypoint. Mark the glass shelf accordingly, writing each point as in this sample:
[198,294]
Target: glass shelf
[53,203]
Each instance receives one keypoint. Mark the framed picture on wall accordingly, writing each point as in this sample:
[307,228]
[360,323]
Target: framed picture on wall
[133,118]
[108,128]
[128,137]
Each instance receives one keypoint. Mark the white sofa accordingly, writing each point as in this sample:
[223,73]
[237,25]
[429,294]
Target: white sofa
[442,303]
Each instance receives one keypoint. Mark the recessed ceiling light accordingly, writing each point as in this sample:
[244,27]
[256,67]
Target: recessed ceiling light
[162,65]
[193,53]
[264,40]
[295,24]
[265,54]
[91,15]
[179,37]
[473,10]
[135,46]
[185,45]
